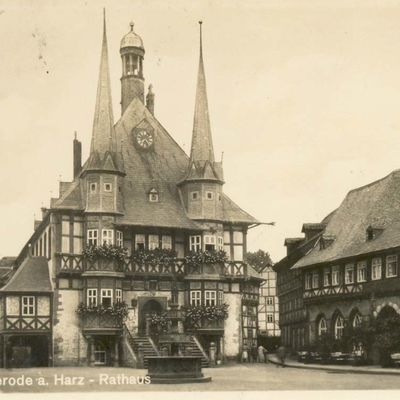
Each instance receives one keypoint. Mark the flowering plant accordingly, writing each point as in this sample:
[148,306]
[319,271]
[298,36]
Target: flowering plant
[158,323]
[196,258]
[118,309]
[164,257]
[193,314]
[107,251]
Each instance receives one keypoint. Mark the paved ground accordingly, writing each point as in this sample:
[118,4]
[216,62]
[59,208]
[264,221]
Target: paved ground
[232,378]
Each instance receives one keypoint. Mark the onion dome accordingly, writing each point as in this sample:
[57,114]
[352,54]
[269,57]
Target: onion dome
[132,39]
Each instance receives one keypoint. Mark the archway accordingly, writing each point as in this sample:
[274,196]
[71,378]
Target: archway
[387,334]
[151,306]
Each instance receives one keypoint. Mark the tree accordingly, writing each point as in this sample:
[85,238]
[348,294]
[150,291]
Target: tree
[259,259]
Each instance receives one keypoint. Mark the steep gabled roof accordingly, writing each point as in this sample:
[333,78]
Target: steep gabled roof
[32,276]
[376,204]
[160,167]
[232,213]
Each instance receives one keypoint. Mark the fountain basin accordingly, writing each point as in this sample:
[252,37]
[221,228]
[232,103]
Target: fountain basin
[175,369]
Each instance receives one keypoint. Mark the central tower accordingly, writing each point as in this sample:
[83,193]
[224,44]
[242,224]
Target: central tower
[132,80]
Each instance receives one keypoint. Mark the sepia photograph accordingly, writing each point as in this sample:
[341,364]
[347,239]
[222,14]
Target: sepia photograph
[199,196]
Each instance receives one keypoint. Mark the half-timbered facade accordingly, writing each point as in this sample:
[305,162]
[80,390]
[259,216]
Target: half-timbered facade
[26,303]
[184,239]
[348,267]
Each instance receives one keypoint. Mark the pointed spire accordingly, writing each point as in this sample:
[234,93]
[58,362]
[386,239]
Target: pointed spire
[103,136]
[202,146]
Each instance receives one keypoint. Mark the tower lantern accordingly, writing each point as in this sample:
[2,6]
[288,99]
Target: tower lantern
[132,80]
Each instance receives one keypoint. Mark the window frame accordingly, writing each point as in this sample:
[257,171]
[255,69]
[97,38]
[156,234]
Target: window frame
[194,195]
[210,297]
[92,241]
[119,238]
[327,277]
[153,196]
[349,268]
[195,298]
[140,242]
[374,267]
[322,326]
[335,275]
[108,238]
[315,278]
[394,256]
[91,297]
[270,318]
[195,243]
[166,242]
[107,184]
[210,240]
[109,295]
[92,187]
[29,309]
[338,329]
[118,296]
[209,195]
[361,266]
[153,242]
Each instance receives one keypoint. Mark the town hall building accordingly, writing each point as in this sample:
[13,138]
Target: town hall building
[143,245]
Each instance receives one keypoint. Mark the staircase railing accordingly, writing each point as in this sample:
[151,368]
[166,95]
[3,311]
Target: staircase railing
[129,338]
[154,346]
[200,347]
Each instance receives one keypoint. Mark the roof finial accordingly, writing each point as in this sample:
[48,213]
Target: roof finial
[201,38]
[132,25]
[104,21]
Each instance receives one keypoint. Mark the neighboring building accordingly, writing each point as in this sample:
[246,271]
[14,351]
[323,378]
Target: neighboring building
[292,314]
[7,269]
[138,190]
[268,309]
[348,266]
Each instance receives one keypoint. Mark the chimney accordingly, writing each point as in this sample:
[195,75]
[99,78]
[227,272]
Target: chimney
[292,244]
[150,99]
[77,156]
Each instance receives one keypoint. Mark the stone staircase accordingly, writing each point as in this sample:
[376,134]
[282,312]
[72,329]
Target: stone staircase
[147,346]
[198,351]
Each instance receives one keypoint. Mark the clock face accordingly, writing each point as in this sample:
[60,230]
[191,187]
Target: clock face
[144,139]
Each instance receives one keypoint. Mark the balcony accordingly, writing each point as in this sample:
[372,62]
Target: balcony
[72,264]
[205,325]
[93,322]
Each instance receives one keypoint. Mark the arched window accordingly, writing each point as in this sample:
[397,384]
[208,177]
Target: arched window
[322,326]
[357,320]
[339,327]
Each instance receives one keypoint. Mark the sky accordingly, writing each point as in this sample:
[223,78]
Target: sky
[304,98]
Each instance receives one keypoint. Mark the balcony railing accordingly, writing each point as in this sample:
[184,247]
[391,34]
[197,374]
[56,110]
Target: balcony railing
[95,321]
[206,324]
[76,264]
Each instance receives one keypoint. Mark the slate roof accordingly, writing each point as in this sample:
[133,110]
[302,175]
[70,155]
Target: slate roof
[162,167]
[376,204]
[32,276]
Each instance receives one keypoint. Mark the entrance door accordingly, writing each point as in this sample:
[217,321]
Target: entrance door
[148,308]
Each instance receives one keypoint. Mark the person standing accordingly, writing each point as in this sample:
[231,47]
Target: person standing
[261,353]
[281,353]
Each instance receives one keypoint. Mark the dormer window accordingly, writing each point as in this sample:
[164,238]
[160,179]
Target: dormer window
[153,196]
[373,232]
[326,241]
[107,187]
